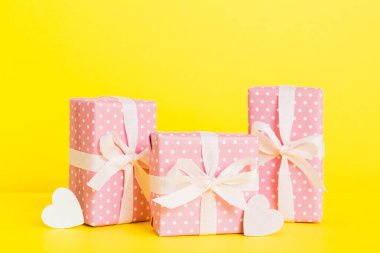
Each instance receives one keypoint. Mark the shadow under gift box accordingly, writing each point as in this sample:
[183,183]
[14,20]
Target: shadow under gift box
[90,120]
[166,150]
[307,121]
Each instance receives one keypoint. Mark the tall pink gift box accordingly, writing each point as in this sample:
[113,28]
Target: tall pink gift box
[90,120]
[166,149]
[307,121]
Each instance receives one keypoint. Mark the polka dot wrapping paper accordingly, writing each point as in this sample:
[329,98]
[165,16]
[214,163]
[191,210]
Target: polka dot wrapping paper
[167,148]
[90,119]
[308,119]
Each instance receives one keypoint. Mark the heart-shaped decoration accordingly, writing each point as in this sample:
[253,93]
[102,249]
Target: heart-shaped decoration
[259,219]
[64,212]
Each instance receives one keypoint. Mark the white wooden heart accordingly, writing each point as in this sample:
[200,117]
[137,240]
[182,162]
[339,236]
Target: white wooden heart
[259,219]
[64,212]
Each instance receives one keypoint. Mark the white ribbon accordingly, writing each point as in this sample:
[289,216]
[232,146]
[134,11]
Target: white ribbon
[186,181]
[296,152]
[116,156]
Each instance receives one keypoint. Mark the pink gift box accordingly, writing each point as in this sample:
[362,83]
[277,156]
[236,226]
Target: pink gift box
[307,121]
[90,120]
[169,148]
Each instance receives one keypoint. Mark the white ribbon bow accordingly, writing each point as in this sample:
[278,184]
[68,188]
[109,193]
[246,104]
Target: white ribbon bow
[296,152]
[186,182]
[116,156]
[120,157]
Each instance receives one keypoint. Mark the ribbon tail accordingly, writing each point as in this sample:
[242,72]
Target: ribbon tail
[143,158]
[126,206]
[208,220]
[309,171]
[244,181]
[231,195]
[180,197]
[285,191]
[142,178]
[102,176]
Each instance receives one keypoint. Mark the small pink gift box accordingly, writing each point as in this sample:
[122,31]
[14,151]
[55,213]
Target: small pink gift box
[200,182]
[109,158]
[288,122]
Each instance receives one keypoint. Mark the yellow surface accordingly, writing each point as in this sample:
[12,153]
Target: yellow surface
[342,230]
[196,59]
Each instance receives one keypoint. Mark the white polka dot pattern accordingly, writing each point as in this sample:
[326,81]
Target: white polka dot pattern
[184,220]
[308,120]
[89,120]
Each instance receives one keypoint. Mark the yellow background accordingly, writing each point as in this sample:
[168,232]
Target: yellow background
[196,59]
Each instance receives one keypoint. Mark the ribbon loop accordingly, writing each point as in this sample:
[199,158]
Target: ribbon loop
[108,147]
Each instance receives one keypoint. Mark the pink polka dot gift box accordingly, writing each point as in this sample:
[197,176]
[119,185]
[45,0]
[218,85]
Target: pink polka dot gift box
[288,122]
[201,182]
[109,158]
